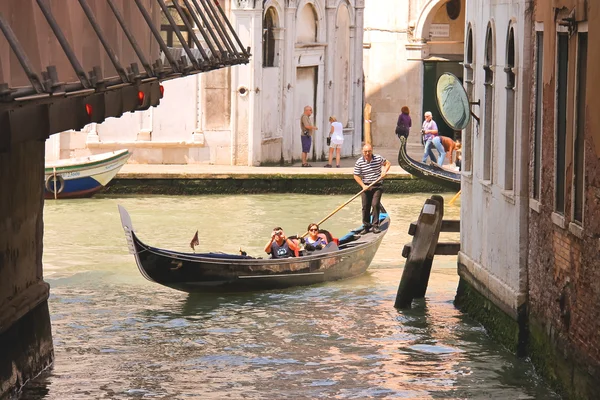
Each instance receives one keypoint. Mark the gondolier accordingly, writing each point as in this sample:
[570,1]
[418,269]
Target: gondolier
[367,170]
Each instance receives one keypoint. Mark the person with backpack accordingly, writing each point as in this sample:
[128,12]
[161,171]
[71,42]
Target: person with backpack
[404,123]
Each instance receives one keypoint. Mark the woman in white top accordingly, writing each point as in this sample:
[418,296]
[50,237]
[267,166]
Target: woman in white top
[336,133]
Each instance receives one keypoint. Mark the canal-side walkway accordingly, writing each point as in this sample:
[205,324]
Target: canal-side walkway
[207,178]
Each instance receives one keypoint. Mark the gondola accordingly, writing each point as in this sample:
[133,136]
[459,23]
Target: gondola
[224,273]
[432,173]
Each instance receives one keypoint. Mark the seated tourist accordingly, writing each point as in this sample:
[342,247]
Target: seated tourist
[315,240]
[279,246]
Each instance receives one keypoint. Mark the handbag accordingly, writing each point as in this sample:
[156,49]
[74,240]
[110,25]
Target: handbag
[329,141]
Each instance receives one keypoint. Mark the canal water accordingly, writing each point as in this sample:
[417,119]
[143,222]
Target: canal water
[118,336]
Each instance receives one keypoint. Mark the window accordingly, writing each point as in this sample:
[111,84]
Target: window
[453,9]
[468,139]
[537,134]
[578,147]
[562,62]
[269,38]
[488,105]
[509,145]
[168,32]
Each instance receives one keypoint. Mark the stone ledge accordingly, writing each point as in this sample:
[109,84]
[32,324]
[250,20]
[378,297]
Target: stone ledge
[261,184]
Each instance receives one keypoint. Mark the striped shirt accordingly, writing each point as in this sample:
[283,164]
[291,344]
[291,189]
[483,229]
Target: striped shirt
[369,172]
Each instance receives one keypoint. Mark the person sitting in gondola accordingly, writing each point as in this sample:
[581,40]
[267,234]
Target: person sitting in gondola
[280,246]
[314,240]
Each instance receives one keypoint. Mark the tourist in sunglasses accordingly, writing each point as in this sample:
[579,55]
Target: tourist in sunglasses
[315,240]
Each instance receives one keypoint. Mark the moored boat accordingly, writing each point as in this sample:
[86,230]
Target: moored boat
[432,173]
[82,176]
[219,272]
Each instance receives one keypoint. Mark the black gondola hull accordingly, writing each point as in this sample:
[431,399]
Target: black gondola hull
[216,273]
[435,174]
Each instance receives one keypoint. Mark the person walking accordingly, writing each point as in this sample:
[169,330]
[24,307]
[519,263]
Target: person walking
[404,123]
[336,140]
[307,128]
[368,169]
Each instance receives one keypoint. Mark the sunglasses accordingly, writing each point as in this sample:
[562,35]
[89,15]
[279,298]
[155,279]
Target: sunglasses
[313,229]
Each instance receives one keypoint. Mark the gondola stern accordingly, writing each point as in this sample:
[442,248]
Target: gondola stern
[131,240]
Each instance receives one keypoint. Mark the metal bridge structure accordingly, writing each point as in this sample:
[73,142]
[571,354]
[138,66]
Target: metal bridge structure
[65,64]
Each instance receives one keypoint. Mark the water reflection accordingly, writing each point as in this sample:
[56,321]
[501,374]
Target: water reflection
[118,336]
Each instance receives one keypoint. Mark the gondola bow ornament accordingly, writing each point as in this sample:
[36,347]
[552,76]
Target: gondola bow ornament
[195,241]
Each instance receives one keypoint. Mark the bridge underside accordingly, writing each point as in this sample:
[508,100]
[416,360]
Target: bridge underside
[64,65]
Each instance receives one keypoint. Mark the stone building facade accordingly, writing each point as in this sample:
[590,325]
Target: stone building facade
[407,46]
[530,207]
[494,199]
[305,52]
[564,196]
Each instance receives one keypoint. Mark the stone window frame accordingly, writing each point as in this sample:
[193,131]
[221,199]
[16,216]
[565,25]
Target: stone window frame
[510,71]
[269,42]
[467,157]
[577,221]
[170,38]
[561,88]
[538,91]
[488,104]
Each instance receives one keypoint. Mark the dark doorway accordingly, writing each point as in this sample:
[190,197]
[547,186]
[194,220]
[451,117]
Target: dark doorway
[432,71]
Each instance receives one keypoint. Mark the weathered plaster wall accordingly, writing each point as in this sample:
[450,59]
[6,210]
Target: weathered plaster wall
[249,114]
[25,337]
[564,256]
[494,217]
[397,40]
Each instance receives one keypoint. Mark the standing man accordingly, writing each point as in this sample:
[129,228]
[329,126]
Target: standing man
[429,131]
[307,128]
[367,170]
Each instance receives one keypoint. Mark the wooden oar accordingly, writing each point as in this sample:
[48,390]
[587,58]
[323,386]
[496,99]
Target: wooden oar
[344,205]
[455,197]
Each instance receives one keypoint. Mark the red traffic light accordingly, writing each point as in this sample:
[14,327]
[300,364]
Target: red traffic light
[162,91]
[141,97]
[89,110]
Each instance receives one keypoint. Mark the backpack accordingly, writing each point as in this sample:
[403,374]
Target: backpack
[402,130]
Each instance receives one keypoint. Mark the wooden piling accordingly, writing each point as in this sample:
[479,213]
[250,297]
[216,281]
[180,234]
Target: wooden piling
[422,250]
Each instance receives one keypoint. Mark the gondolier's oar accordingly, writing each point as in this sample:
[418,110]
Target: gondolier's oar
[346,203]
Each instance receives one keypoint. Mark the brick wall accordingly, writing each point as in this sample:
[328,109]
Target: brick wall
[564,260]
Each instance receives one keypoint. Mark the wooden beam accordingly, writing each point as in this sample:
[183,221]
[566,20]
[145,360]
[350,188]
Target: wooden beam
[448,225]
[441,249]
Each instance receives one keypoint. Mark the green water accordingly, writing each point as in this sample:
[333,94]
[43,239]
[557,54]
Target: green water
[118,336]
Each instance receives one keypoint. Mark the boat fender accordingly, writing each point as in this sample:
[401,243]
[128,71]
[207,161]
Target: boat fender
[51,186]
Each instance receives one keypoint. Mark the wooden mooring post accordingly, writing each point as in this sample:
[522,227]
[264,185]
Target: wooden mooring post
[419,254]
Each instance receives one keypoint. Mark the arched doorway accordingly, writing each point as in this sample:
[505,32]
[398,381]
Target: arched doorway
[441,30]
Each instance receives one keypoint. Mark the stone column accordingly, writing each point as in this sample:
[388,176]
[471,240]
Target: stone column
[289,80]
[255,104]
[358,76]
[330,62]
[242,86]
[25,330]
